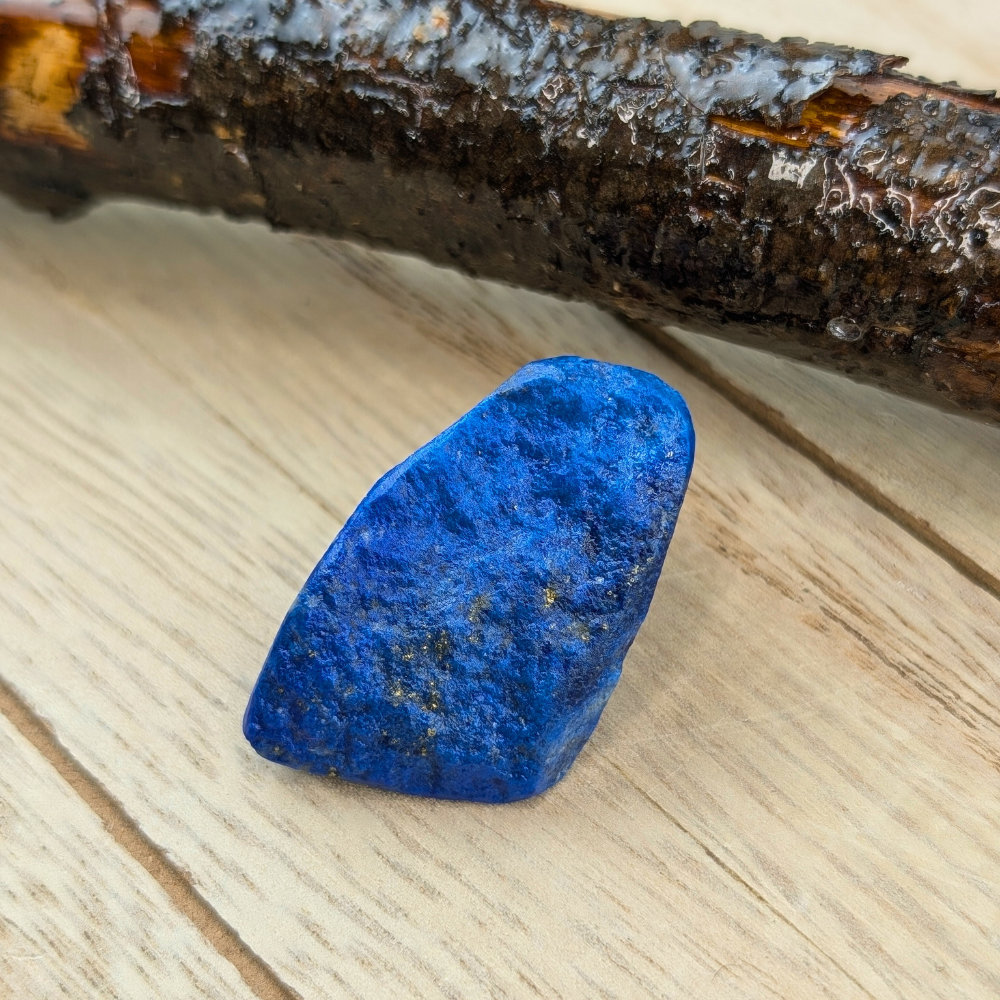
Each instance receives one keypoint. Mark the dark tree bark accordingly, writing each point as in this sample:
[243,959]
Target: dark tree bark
[809,199]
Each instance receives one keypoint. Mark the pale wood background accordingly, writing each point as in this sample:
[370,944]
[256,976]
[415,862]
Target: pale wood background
[795,791]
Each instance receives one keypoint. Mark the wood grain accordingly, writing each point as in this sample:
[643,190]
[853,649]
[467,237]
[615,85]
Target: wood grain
[937,473]
[794,792]
[78,916]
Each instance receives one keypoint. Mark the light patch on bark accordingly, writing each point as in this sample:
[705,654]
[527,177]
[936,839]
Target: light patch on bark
[786,168]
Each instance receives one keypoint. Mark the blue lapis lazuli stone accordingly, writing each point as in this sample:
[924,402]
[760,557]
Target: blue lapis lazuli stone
[466,628]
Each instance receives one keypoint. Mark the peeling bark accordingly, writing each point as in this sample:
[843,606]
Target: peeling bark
[809,199]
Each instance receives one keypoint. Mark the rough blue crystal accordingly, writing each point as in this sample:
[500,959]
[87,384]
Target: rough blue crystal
[465,629]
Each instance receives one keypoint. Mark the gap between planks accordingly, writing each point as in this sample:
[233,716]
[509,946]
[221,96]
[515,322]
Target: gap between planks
[776,424]
[256,973]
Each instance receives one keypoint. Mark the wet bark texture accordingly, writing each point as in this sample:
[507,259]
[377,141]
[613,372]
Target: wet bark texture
[809,199]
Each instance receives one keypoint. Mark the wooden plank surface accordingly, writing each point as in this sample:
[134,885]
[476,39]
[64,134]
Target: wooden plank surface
[794,791]
[940,473]
[78,916]
[943,41]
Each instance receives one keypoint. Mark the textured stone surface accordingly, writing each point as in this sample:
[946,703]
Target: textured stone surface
[465,629]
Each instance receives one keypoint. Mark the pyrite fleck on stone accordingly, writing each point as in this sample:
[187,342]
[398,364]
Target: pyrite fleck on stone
[466,628]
